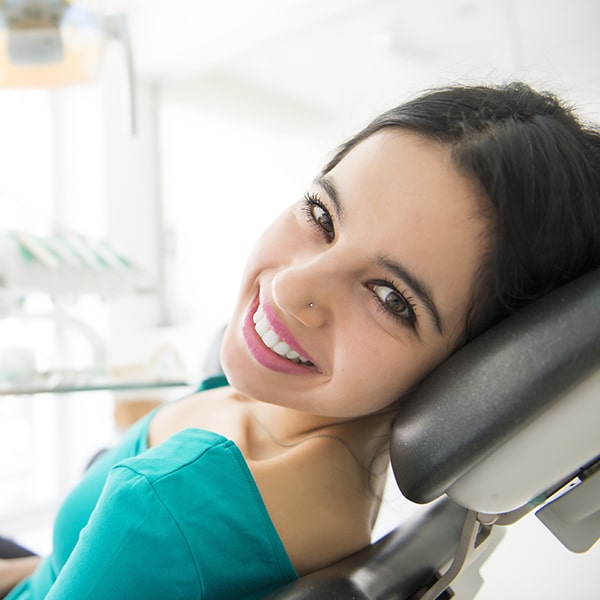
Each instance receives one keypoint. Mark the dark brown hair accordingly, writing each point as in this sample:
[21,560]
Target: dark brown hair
[540,168]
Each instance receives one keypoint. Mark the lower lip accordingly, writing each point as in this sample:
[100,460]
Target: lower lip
[267,358]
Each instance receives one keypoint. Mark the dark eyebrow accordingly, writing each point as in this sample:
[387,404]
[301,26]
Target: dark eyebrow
[329,186]
[418,286]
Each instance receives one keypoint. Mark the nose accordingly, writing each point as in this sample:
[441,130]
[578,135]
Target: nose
[310,291]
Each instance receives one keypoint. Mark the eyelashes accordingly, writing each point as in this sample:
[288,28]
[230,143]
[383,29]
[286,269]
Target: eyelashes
[319,216]
[396,304]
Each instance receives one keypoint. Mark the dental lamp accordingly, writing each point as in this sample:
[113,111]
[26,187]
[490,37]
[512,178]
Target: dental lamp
[57,43]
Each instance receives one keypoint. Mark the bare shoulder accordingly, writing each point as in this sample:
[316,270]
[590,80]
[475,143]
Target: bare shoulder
[320,501]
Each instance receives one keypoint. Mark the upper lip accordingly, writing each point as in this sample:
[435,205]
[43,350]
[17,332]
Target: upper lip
[280,329]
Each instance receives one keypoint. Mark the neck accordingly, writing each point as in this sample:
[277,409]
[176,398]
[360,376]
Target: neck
[277,427]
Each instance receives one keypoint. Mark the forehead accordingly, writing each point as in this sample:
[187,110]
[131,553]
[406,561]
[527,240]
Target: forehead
[399,170]
[399,158]
[412,204]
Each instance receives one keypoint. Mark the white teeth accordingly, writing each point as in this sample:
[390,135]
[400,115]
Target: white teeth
[262,327]
[272,340]
[281,348]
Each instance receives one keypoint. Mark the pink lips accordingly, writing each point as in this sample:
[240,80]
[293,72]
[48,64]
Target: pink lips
[263,355]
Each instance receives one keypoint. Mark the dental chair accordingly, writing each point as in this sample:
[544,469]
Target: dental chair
[508,425]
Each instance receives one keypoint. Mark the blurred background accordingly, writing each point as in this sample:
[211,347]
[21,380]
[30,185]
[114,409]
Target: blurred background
[134,181]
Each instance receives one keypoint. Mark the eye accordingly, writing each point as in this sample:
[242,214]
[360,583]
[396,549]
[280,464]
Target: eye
[319,216]
[396,303]
[390,298]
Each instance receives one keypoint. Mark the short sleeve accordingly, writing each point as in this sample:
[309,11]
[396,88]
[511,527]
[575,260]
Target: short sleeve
[121,553]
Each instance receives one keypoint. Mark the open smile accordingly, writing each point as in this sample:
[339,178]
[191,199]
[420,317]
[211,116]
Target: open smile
[272,341]
[271,344]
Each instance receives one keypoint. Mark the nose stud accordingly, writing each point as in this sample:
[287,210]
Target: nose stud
[311,304]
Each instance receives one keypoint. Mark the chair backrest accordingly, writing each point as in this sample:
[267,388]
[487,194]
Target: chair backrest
[512,414]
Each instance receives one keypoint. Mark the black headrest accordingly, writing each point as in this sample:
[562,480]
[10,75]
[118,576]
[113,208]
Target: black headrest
[494,386]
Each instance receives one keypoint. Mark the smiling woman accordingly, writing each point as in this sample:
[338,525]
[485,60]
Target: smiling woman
[440,218]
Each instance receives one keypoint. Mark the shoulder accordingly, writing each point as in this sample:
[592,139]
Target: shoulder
[320,501]
[184,452]
[202,481]
[201,473]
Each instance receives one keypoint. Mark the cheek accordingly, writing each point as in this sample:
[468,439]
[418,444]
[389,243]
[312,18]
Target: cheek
[389,368]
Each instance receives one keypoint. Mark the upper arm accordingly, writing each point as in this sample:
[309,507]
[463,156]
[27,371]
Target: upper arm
[123,550]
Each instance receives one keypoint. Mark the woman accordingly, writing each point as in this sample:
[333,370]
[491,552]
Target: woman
[440,218]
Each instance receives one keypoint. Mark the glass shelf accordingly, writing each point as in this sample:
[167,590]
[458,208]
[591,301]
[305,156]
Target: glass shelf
[90,386]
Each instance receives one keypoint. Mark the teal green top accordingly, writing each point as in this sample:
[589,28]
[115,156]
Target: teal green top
[184,519]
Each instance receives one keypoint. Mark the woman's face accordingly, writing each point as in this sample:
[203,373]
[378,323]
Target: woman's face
[361,288]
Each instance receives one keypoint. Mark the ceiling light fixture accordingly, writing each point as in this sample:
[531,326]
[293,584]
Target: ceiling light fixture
[56,43]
